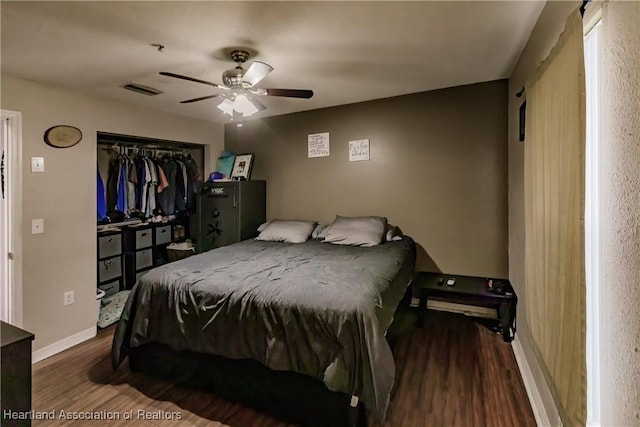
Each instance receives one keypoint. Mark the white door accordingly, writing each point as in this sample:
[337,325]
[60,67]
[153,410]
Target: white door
[10,221]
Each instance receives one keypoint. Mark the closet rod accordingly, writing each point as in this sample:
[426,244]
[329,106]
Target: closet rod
[111,138]
[111,145]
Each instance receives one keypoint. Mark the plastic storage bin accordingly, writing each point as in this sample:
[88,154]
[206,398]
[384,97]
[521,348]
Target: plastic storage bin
[176,251]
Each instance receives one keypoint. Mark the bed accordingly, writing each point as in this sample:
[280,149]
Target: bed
[310,317]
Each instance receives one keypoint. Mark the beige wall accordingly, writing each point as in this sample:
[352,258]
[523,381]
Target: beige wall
[64,257]
[620,215]
[543,37]
[438,170]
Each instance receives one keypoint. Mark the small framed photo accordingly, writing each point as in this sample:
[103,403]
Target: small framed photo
[242,167]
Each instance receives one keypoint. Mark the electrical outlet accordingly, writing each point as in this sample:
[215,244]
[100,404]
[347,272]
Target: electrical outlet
[68,298]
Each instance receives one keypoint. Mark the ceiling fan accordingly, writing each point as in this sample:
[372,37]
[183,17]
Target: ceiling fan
[239,86]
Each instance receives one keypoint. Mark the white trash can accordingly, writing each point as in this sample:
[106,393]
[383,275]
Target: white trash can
[99,295]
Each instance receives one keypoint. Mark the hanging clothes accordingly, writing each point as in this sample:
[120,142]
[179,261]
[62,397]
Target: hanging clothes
[181,187]
[132,179]
[167,198]
[112,184]
[142,185]
[144,208]
[194,182]
[102,201]
[140,179]
[150,205]
[121,204]
[162,178]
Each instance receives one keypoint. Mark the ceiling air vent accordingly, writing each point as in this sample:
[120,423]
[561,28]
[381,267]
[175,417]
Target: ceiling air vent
[145,90]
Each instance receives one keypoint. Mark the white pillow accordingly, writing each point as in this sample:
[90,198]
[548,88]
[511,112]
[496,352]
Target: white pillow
[290,231]
[357,231]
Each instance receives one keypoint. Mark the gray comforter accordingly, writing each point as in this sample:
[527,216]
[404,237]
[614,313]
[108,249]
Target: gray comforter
[314,308]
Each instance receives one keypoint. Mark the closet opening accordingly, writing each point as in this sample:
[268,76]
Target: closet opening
[126,199]
[146,205]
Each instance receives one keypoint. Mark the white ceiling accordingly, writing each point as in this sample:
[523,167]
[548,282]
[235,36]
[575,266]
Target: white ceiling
[344,51]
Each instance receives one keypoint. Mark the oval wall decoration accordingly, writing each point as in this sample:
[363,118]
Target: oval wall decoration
[62,136]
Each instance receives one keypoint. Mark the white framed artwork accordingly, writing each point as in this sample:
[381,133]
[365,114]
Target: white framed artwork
[359,150]
[242,165]
[318,144]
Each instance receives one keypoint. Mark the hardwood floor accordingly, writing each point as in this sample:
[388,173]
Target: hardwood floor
[453,372]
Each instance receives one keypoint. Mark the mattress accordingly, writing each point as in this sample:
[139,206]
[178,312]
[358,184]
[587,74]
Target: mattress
[313,308]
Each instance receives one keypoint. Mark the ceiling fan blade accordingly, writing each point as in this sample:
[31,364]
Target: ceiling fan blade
[191,79]
[291,93]
[202,98]
[259,105]
[256,72]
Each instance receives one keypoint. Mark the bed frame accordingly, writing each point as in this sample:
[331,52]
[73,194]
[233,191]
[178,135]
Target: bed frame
[291,397]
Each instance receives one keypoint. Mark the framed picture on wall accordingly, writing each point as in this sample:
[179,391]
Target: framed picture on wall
[242,167]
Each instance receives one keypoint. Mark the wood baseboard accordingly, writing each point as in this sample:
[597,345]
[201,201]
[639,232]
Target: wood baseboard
[534,390]
[62,345]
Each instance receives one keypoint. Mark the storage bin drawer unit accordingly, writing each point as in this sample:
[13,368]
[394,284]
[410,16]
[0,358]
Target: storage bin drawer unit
[144,238]
[145,247]
[144,259]
[163,235]
[109,245]
[110,262]
[109,269]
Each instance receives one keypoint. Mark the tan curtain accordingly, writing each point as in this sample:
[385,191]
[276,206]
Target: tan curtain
[554,221]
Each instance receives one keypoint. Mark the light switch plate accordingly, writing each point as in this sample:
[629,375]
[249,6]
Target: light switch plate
[37,226]
[37,164]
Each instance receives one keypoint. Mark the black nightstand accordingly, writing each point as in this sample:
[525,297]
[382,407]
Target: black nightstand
[471,291]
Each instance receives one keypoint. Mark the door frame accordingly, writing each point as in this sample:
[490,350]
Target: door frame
[13,174]
[593,275]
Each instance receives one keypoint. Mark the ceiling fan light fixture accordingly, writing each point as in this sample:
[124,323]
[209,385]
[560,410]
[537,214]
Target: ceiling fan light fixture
[241,105]
[244,106]
[226,106]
